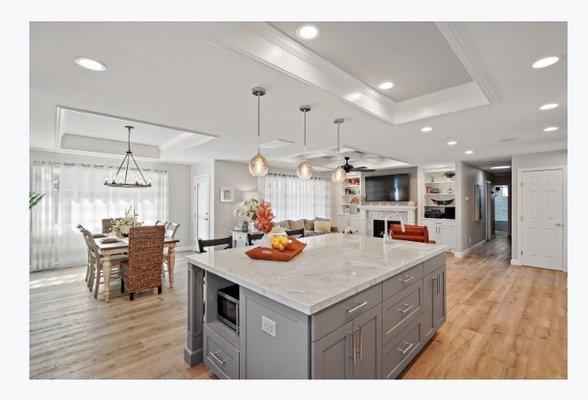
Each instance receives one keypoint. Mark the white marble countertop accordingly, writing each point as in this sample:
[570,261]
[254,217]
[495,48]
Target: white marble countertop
[331,268]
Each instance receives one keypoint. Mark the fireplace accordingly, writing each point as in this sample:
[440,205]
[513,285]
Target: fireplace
[381,226]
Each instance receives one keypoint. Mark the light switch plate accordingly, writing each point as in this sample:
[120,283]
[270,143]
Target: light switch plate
[268,326]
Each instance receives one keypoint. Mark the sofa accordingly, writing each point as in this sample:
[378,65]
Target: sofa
[314,227]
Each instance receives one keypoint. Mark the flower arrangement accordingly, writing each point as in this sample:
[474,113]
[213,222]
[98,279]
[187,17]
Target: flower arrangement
[122,226]
[265,218]
[247,211]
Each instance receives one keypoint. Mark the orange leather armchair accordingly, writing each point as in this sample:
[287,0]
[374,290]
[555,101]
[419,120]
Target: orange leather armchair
[414,233]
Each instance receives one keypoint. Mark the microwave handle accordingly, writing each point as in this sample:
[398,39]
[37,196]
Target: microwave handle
[237,318]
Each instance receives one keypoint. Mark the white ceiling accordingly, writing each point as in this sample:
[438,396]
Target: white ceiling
[413,55]
[170,73]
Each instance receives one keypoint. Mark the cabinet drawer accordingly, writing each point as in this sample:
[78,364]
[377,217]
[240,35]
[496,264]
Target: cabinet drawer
[434,263]
[219,355]
[398,353]
[337,315]
[400,310]
[403,280]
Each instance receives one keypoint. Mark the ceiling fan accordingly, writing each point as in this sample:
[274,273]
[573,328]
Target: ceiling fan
[348,167]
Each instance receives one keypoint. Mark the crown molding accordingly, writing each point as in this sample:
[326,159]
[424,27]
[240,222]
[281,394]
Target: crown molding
[266,44]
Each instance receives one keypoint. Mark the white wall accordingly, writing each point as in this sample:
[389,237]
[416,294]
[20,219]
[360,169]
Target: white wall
[537,160]
[179,184]
[472,232]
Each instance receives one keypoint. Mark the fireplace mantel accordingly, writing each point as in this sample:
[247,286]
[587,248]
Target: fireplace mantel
[404,213]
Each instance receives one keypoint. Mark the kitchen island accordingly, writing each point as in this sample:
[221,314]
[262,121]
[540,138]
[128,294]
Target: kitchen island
[348,306]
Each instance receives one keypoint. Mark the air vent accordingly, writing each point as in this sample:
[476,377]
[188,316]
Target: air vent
[275,143]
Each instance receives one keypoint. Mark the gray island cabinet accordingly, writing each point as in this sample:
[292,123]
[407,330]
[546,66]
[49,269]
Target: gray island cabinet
[348,307]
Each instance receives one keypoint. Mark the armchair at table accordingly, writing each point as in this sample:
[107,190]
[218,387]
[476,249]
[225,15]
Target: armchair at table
[413,233]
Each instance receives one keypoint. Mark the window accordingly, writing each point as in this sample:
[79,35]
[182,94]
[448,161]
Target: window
[294,198]
[75,194]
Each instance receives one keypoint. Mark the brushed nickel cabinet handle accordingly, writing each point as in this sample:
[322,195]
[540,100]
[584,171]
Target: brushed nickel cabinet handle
[357,307]
[360,343]
[214,355]
[405,310]
[404,351]
[408,278]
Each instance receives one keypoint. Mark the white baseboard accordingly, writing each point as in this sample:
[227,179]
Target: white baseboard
[515,262]
[469,250]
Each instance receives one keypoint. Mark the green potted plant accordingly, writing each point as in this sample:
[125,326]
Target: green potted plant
[34,199]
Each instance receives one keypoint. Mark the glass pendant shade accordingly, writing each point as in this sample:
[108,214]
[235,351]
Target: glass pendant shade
[258,166]
[338,175]
[304,170]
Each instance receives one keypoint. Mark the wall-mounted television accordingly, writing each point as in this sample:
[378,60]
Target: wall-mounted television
[387,188]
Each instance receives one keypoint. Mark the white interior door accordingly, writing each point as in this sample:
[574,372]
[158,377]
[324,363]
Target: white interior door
[202,212]
[542,218]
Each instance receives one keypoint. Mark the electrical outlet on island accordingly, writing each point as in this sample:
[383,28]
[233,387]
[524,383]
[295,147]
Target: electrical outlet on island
[268,326]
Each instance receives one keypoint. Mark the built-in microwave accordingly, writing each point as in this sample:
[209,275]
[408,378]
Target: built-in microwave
[228,306]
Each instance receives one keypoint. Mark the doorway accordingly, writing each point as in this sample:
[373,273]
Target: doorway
[501,209]
[541,206]
[201,201]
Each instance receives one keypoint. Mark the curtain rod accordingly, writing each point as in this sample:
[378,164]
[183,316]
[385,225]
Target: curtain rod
[317,178]
[72,164]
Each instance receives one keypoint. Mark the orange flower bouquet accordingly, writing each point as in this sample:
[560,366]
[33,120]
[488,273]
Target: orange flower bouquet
[265,217]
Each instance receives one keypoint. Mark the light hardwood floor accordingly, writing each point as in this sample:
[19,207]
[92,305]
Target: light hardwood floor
[503,321]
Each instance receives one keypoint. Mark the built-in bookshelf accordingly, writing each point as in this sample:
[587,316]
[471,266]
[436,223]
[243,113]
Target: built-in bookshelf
[351,195]
[439,194]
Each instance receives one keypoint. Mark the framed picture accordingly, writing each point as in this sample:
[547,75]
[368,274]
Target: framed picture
[226,195]
[477,202]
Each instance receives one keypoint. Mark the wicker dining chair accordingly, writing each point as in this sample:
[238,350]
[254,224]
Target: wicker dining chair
[144,268]
[90,262]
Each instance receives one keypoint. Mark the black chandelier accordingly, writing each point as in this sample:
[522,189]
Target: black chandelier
[116,181]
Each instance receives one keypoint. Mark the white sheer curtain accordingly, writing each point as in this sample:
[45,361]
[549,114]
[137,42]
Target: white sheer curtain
[75,194]
[294,198]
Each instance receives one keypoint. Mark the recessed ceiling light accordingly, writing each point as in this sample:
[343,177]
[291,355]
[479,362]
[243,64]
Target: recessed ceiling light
[451,143]
[308,32]
[550,129]
[500,167]
[386,85]
[426,129]
[469,151]
[353,96]
[548,106]
[545,62]
[90,64]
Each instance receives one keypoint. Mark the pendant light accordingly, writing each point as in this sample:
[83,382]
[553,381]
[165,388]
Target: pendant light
[119,182]
[304,170]
[258,166]
[338,175]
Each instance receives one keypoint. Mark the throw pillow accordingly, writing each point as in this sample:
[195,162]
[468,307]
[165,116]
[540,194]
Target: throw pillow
[295,225]
[322,226]
[308,225]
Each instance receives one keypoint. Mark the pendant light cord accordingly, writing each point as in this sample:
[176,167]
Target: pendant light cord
[304,134]
[258,124]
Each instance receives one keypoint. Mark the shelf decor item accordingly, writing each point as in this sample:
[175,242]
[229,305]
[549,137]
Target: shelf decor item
[442,202]
[449,174]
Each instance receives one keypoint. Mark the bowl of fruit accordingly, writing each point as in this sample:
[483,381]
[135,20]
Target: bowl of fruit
[278,239]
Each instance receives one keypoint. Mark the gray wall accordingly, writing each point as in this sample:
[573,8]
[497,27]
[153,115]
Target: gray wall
[235,175]
[472,232]
[538,160]
[179,184]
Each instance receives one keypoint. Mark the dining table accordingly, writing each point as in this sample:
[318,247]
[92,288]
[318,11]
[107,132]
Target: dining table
[109,249]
